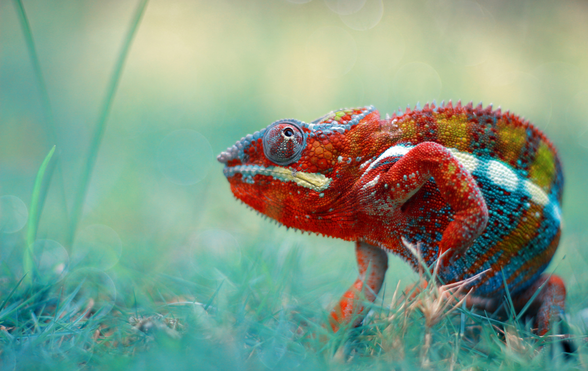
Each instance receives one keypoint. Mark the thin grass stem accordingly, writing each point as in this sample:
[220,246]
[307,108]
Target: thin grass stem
[508,297]
[28,35]
[102,120]
[11,293]
[35,215]
[45,103]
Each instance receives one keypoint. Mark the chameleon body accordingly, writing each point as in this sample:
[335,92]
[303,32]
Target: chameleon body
[476,186]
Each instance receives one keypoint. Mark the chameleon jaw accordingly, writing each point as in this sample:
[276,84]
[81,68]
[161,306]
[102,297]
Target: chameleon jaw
[315,181]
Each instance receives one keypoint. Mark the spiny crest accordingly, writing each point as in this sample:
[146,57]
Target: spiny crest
[434,107]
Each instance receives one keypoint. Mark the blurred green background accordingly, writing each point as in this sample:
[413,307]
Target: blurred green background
[202,74]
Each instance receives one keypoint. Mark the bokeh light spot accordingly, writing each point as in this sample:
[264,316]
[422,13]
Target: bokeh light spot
[51,261]
[13,214]
[416,82]
[365,18]
[185,157]
[345,7]
[331,51]
[97,246]
[92,290]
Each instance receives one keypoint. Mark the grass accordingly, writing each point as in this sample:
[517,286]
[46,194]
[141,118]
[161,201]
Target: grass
[35,214]
[262,311]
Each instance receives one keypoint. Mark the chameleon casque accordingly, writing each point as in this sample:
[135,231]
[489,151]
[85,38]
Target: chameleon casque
[479,186]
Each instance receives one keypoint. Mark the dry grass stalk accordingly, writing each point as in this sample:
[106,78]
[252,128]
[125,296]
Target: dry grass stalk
[391,337]
[437,301]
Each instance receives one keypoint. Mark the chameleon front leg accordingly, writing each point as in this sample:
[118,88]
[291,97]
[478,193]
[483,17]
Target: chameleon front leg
[457,186]
[372,262]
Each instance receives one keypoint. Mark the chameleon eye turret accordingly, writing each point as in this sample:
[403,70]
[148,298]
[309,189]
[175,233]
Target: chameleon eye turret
[283,142]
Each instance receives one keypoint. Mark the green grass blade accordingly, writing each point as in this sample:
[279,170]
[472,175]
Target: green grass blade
[512,311]
[207,305]
[35,213]
[26,30]
[101,123]
[33,217]
[532,299]
[45,101]
[11,293]
[30,300]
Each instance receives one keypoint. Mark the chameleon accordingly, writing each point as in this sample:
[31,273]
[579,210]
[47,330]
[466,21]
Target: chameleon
[476,189]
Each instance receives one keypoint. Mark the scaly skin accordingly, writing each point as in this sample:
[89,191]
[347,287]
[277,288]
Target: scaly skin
[482,186]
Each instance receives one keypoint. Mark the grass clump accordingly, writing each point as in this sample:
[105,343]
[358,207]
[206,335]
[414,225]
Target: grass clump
[262,313]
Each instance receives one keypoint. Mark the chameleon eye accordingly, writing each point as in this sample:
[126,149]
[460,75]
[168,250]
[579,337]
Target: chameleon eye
[283,142]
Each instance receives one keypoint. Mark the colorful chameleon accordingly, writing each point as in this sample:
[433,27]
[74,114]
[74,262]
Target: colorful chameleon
[480,187]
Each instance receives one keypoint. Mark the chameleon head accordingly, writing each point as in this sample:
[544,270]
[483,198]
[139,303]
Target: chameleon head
[297,172]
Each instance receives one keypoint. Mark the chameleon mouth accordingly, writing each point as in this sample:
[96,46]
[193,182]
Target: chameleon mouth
[315,181]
